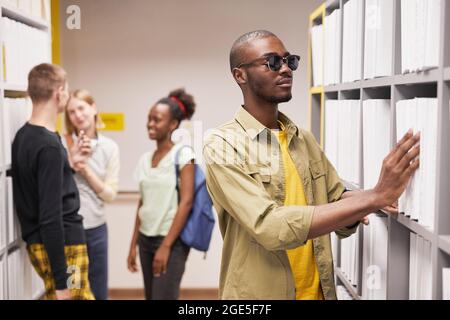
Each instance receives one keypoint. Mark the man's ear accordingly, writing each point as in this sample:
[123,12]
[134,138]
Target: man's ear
[58,92]
[240,75]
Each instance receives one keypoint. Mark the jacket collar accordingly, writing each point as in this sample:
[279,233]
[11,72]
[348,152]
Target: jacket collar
[254,128]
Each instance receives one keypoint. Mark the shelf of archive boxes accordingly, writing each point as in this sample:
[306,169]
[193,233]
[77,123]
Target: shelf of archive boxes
[400,227]
[20,16]
[16,91]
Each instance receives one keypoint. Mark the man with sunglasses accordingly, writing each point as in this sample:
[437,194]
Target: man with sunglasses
[276,194]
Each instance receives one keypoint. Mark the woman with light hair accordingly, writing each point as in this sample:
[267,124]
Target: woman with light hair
[97,183]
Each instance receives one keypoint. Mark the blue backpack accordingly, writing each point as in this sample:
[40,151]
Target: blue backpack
[200,223]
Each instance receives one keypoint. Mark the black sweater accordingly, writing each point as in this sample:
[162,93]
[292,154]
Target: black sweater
[46,196]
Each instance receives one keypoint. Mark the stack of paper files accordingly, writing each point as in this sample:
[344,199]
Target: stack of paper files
[34,8]
[376,138]
[13,222]
[376,146]
[16,275]
[342,293]
[37,284]
[378,42]
[446,283]
[14,114]
[375,258]
[332,53]
[343,147]
[420,24]
[2,212]
[334,247]
[343,138]
[24,48]
[11,3]
[420,270]
[418,200]
[350,258]
[352,42]
[317,54]
[331,131]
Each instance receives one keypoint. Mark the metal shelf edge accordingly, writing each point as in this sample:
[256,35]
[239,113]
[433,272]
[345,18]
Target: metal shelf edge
[20,16]
[444,244]
[350,288]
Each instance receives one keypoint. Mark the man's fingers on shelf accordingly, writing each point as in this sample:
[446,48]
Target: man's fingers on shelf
[409,156]
[406,146]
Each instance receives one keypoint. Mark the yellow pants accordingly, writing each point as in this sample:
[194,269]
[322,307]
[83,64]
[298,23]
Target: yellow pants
[78,264]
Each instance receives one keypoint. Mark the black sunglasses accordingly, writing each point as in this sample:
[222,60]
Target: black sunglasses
[275,62]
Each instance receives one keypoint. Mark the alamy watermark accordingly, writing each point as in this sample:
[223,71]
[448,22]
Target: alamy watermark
[73,21]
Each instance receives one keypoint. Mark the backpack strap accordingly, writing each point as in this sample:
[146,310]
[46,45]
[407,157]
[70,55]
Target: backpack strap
[177,168]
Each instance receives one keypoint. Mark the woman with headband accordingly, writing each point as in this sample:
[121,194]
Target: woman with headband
[162,211]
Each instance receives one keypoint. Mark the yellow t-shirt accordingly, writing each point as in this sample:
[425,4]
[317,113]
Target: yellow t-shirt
[302,261]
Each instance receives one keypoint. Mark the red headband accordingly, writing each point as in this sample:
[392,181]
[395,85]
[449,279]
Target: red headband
[180,104]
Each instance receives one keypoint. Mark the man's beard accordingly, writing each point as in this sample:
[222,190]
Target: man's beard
[278,100]
[272,99]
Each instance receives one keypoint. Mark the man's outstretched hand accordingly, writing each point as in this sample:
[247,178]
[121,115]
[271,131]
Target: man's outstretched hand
[398,168]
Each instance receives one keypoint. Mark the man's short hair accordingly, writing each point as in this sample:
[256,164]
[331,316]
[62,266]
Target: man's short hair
[237,53]
[44,80]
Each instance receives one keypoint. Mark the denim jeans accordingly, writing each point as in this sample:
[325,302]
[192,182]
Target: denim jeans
[97,244]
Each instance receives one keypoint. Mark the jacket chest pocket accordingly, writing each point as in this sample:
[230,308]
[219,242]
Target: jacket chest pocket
[317,170]
[261,174]
[319,182]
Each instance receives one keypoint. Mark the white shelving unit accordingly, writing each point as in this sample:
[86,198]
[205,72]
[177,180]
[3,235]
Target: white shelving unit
[395,87]
[11,10]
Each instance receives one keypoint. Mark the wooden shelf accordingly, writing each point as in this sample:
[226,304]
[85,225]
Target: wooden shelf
[318,13]
[316,90]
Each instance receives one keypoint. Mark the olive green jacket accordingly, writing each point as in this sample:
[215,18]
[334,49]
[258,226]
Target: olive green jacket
[245,178]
